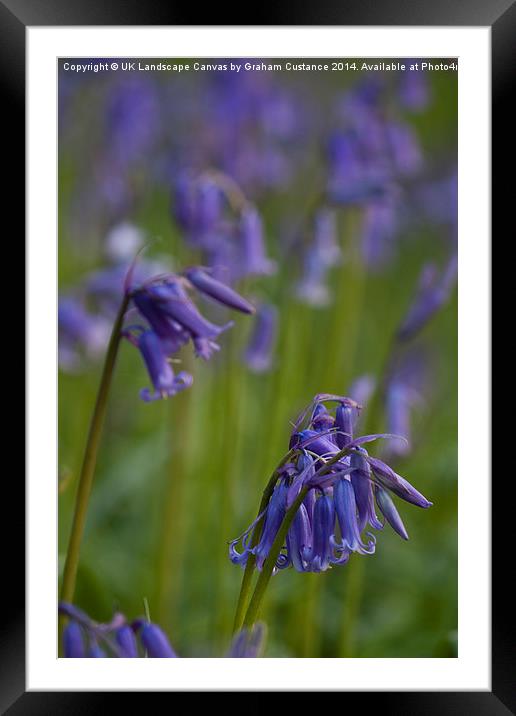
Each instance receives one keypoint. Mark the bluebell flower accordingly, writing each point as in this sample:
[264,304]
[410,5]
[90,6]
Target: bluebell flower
[342,486]
[254,261]
[206,284]
[159,368]
[413,87]
[85,638]
[248,643]
[433,292]
[173,320]
[155,641]
[258,354]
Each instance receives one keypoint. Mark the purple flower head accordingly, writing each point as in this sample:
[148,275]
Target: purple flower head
[126,641]
[73,641]
[173,320]
[258,354]
[389,511]
[81,334]
[404,148]
[155,641]
[413,88]
[198,208]
[334,488]
[132,119]
[252,246]
[434,291]
[83,637]
[406,386]
[379,229]
[312,287]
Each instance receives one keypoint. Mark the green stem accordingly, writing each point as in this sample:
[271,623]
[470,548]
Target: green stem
[266,573]
[245,587]
[90,460]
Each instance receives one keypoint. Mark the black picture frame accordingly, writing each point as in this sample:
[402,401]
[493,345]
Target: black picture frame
[500,15]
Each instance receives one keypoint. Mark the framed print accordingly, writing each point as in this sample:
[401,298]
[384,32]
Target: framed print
[258,271]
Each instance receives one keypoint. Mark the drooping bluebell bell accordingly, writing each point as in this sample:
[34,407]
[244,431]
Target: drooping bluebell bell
[413,87]
[164,381]
[258,354]
[248,643]
[205,283]
[81,333]
[250,239]
[173,320]
[322,254]
[433,292]
[406,387]
[154,640]
[341,484]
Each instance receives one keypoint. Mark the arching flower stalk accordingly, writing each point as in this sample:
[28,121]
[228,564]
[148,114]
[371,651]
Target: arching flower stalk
[167,319]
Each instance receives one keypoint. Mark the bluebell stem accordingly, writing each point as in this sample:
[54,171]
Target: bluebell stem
[433,293]
[258,354]
[405,387]
[340,482]
[83,637]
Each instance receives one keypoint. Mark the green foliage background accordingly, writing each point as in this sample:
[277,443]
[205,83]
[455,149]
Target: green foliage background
[177,479]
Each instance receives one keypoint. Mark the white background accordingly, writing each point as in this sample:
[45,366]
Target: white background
[471,670]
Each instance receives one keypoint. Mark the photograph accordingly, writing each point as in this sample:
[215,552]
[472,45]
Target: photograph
[257,357]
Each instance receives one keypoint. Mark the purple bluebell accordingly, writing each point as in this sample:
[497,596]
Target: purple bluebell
[160,371]
[248,643]
[253,261]
[413,87]
[198,208]
[126,641]
[405,389]
[155,641]
[320,555]
[258,354]
[206,284]
[380,226]
[433,293]
[81,334]
[173,320]
[73,641]
[132,119]
[322,254]
[340,482]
